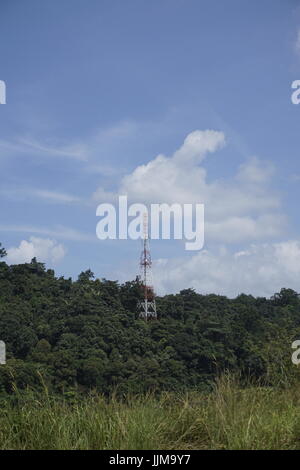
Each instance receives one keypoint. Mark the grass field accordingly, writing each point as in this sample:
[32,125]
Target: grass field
[228,418]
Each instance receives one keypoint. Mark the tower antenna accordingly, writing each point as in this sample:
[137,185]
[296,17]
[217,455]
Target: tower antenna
[148,304]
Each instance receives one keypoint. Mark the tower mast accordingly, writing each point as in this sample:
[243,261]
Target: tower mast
[148,304]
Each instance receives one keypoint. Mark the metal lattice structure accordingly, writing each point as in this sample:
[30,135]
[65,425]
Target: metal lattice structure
[147,305]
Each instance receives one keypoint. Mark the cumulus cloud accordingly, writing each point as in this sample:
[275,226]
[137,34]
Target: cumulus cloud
[236,209]
[255,172]
[238,229]
[242,210]
[196,146]
[261,270]
[44,249]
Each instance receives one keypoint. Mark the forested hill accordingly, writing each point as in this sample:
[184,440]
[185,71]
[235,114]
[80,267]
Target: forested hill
[86,334]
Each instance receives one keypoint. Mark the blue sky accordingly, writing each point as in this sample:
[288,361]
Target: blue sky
[96,89]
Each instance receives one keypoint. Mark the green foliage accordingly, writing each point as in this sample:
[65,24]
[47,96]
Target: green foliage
[86,334]
[230,417]
[2,251]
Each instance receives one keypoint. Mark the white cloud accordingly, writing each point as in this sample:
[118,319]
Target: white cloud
[255,172]
[44,249]
[31,146]
[101,195]
[260,270]
[236,209]
[60,231]
[196,146]
[75,150]
[54,196]
[239,229]
[44,194]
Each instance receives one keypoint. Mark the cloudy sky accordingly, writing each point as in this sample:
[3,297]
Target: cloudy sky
[185,101]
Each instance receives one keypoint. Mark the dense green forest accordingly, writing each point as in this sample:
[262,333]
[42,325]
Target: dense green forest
[74,336]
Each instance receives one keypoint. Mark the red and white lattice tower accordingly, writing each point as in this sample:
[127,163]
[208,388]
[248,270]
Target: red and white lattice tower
[148,304]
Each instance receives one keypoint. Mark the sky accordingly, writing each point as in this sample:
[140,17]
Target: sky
[168,101]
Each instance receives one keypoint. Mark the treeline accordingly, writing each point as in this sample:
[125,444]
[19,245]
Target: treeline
[74,336]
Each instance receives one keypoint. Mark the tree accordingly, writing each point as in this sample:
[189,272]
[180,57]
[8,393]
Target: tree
[87,334]
[85,276]
[2,251]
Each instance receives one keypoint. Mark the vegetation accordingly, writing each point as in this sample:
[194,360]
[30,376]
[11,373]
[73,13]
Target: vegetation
[230,417]
[86,335]
[85,372]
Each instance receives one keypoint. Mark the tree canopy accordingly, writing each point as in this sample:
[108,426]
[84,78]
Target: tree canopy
[86,334]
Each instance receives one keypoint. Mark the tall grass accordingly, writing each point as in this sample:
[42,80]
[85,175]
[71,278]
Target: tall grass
[230,417]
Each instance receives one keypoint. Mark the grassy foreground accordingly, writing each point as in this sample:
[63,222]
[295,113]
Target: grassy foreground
[228,418]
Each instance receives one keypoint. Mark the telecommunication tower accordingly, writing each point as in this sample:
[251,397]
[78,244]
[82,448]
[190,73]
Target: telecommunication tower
[148,304]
